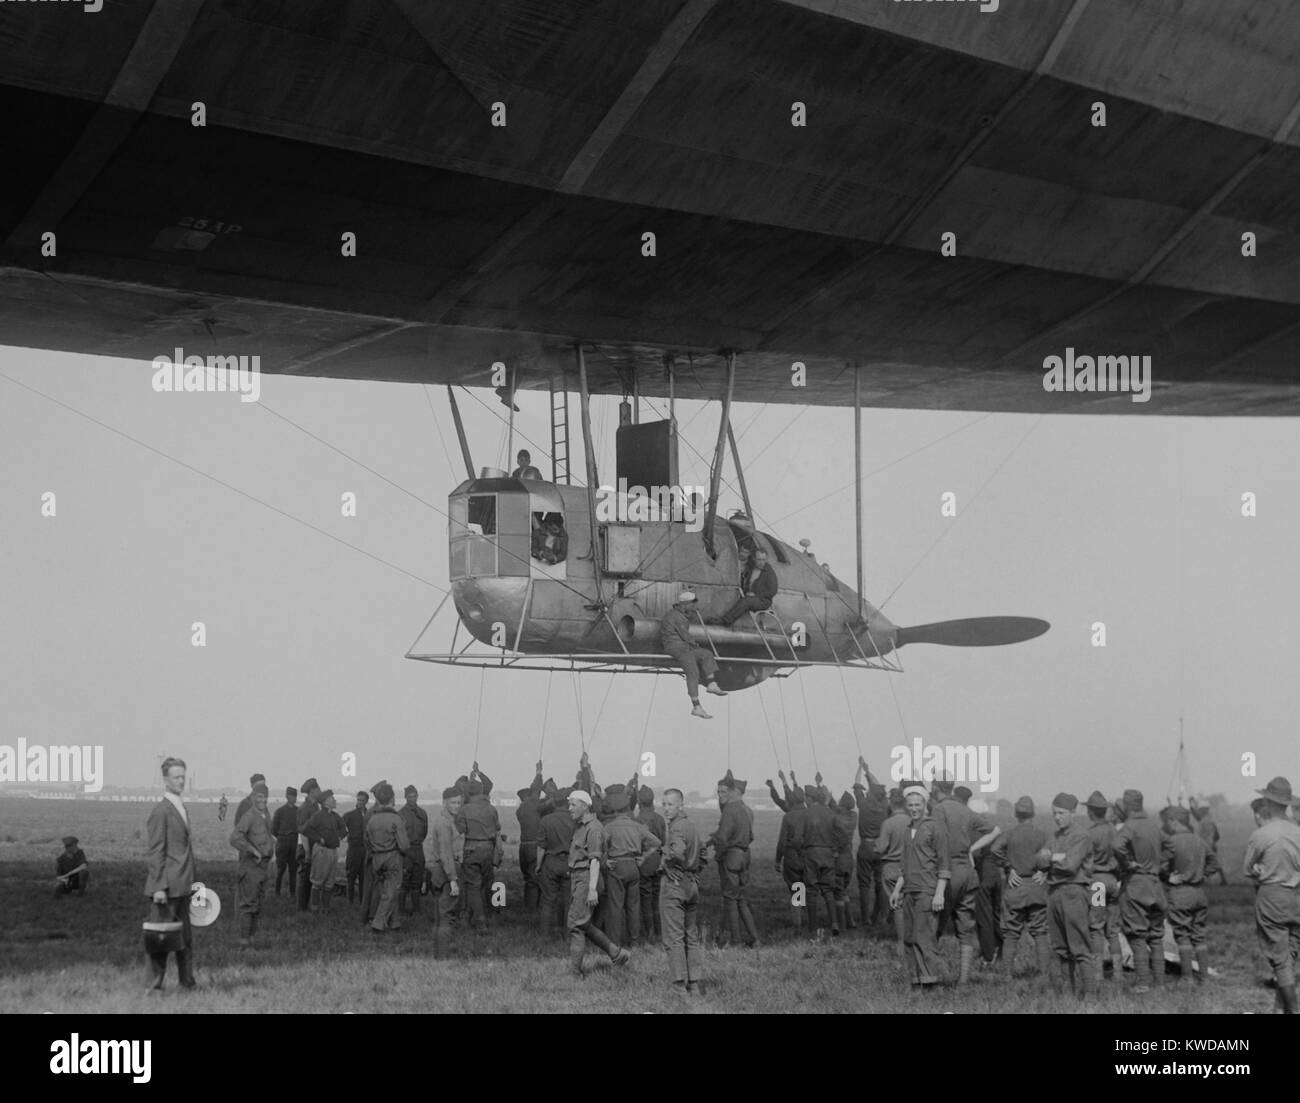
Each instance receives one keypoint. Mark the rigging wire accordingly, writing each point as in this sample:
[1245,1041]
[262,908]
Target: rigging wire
[441,439]
[601,711]
[771,737]
[478,721]
[546,712]
[221,482]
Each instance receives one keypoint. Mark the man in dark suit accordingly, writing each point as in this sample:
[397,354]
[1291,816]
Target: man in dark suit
[171,871]
[760,588]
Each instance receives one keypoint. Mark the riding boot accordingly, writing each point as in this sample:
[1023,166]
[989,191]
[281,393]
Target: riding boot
[1288,996]
[245,930]
[751,928]
[1201,954]
[1089,980]
[252,929]
[315,897]
[1185,963]
[835,916]
[1099,955]
[1009,948]
[325,896]
[1157,964]
[731,911]
[577,948]
[1043,953]
[846,916]
[1141,964]
[864,910]
[967,960]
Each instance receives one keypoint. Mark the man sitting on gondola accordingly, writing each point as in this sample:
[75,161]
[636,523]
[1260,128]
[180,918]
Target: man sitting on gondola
[760,588]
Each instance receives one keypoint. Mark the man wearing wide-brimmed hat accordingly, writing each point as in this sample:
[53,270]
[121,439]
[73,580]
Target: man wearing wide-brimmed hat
[1273,863]
[697,663]
[1139,846]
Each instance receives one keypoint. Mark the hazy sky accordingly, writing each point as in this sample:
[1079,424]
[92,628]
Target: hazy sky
[305,637]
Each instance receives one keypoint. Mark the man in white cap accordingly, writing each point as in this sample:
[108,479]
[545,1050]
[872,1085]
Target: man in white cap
[920,891]
[697,663]
[585,850]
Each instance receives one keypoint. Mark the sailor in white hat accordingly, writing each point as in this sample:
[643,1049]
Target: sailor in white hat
[697,663]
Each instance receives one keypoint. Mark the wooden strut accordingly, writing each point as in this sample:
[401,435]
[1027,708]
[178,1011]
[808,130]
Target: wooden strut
[589,450]
[715,475]
[460,431]
[740,473]
[857,475]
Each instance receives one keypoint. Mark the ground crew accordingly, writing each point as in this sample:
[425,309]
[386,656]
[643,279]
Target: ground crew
[1187,862]
[1069,876]
[443,850]
[1103,918]
[921,889]
[310,805]
[222,805]
[553,860]
[818,849]
[284,826]
[478,822]
[254,840]
[730,843]
[628,843]
[354,823]
[386,835]
[1142,897]
[370,897]
[247,803]
[889,848]
[648,890]
[789,855]
[680,897]
[844,822]
[529,815]
[873,810]
[966,833]
[323,832]
[1208,830]
[416,821]
[697,663]
[1020,852]
[1273,864]
[585,850]
[71,871]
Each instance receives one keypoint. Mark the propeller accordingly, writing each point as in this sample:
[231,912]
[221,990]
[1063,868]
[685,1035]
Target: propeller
[974,632]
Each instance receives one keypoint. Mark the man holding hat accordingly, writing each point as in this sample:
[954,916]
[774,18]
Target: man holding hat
[416,821]
[253,838]
[1024,901]
[284,826]
[921,889]
[310,806]
[585,849]
[1069,875]
[1188,861]
[1273,863]
[1139,849]
[1103,919]
[170,870]
[697,663]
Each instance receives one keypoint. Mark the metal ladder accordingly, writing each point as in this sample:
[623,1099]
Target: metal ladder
[560,434]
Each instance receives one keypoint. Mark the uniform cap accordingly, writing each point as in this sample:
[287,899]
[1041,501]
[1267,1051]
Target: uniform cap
[290,791]
[918,789]
[1132,800]
[450,792]
[582,795]
[256,778]
[645,795]
[1025,806]
[69,840]
[310,784]
[383,793]
[617,802]
[1181,815]
[962,793]
[686,597]
[475,788]
[375,788]
[260,787]
[326,795]
[410,791]
[1066,801]
[846,802]
[1278,791]
[523,794]
[1097,800]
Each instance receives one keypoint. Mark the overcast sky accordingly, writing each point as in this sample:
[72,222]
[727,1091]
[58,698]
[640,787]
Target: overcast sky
[305,638]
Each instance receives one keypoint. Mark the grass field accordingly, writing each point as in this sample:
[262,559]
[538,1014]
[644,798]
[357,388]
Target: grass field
[84,954]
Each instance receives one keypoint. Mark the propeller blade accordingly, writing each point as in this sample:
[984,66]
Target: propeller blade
[974,632]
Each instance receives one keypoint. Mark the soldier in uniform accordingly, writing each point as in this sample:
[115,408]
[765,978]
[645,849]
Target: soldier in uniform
[529,815]
[1273,864]
[1208,830]
[844,822]
[585,849]
[1142,899]
[443,850]
[253,839]
[1187,863]
[1024,901]
[1069,875]
[416,821]
[730,843]
[648,889]
[967,833]
[1103,919]
[355,824]
[477,821]
[697,663]
[789,854]
[323,832]
[70,870]
[889,849]
[284,826]
[818,849]
[680,897]
[628,843]
[921,889]
[873,810]
[387,840]
[553,860]
[247,803]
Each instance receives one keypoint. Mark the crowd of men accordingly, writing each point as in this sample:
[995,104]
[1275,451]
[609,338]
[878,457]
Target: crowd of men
[608,871]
